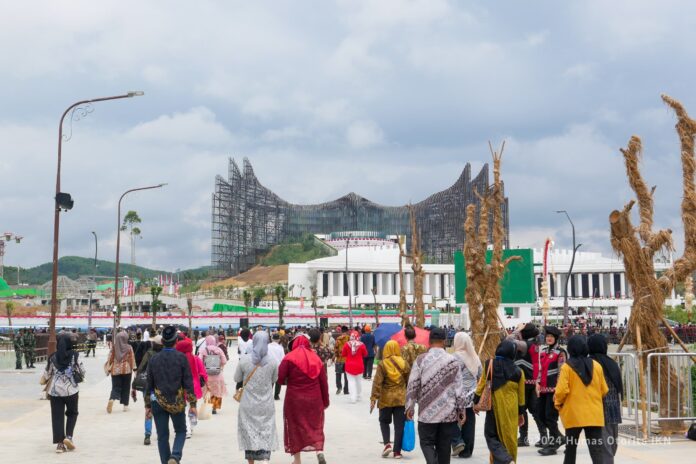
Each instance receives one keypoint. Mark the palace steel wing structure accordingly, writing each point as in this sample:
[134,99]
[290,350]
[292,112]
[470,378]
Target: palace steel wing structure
[248,218]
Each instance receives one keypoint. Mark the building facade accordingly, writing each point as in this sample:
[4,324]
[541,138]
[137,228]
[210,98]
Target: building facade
[248,218]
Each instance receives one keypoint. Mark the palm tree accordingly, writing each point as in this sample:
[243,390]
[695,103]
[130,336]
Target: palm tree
[129,223]
[246,296]
[9,307]
[155,291]
[374,295]
[281,292]
[313,289]
[259,294]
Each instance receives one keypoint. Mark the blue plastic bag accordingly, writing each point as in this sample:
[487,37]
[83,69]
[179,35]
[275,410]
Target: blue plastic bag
[409,440]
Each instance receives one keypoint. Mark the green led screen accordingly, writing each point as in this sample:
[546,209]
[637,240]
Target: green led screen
[517,284]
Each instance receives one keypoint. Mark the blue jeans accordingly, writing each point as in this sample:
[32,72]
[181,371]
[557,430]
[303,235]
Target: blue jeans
[148,423]
[161,418]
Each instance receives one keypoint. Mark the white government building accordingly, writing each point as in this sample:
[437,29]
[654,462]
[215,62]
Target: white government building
[598,286]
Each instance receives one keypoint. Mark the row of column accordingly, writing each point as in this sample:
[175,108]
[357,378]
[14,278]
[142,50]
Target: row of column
[385,283]
[598,291]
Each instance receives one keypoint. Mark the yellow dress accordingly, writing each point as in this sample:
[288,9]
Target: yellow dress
[506,402]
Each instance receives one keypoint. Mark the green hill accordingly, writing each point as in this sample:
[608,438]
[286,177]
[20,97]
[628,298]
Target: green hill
[75,266]
[300,250]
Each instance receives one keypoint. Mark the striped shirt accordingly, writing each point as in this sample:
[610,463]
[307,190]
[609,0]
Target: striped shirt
[437,385]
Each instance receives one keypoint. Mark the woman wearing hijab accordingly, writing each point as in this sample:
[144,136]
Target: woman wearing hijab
[578,398]
[354,351]
[306,398]
[464,351]
[215,384]
[198,374]
[389,394]
[222,344]
[256,426]
[507,403]
[63,391]
[120,366]
[597,345]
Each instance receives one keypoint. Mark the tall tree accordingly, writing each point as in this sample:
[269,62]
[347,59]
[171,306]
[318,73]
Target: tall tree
[9,308]
[281,292]
[374,295]
[403,306]
[130,222]
[638,246]
[246,296]
[313,289]
[155,291]
[189,307]
[416,258]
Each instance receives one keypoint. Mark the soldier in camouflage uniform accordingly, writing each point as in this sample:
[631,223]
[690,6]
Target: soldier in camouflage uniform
[29,347]
[19,348]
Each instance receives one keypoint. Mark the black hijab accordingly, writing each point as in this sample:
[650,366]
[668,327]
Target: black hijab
[64,352]
[504,368]
[578,361]
[597,345]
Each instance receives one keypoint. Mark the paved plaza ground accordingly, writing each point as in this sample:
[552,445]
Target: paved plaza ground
[352,434]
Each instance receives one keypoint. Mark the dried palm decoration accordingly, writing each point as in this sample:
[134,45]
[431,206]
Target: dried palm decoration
[638,246]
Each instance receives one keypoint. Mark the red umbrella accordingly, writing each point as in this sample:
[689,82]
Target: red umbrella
[422,337]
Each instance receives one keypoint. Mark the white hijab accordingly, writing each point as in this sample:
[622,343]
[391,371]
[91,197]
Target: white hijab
[464,349]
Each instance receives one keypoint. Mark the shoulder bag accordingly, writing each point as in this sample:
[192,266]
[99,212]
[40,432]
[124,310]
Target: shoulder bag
[238,394]
[484,403]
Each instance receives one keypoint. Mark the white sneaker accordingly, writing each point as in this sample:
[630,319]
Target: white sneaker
[125,409]
[189,435]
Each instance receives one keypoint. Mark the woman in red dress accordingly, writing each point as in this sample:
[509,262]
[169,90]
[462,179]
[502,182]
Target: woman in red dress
[306,398]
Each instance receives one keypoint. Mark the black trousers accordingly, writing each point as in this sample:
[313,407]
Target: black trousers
[530,404]
[398,414]
[120,388]
[63,406]
[435,441]
[498,451]
[341,374]
[548,416]
[368,363]
[593,438]
[468,431]
[91,346]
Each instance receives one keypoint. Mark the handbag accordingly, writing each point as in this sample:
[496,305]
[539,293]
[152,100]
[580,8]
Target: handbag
[204,410]
[140,381]
[484,403]
[408,442]
[78,371]
[238,394]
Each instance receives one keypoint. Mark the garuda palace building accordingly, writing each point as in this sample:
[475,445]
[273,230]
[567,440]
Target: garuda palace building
[248,218]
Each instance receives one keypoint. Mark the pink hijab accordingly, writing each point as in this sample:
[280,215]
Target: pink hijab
[212,348]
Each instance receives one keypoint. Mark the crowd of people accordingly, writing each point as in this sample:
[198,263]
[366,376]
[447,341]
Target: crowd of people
[530,376]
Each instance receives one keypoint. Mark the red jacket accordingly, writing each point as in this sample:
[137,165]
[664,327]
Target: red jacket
[354,362]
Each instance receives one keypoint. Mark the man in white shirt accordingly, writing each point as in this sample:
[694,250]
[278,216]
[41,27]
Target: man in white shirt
[276,351]
[146,335]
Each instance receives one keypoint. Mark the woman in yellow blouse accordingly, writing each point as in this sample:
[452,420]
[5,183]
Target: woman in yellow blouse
[578,398]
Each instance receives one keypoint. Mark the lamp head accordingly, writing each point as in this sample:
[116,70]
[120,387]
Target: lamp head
[135,93]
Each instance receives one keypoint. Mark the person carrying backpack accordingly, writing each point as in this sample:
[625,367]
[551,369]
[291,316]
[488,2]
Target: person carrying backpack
[214,361]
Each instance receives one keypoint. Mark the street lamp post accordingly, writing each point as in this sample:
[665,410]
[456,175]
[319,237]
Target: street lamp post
[7,237]
[116,310]
[91,291]
[64,201]
[570,270]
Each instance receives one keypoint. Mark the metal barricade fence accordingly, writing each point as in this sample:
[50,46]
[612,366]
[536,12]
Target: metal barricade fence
[631,395]
[680,384]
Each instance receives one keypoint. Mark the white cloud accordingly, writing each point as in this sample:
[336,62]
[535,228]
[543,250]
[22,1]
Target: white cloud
[388,98]
[196,126]
[364,134]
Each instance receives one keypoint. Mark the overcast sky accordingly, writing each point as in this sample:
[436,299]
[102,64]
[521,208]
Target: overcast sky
[387,98]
